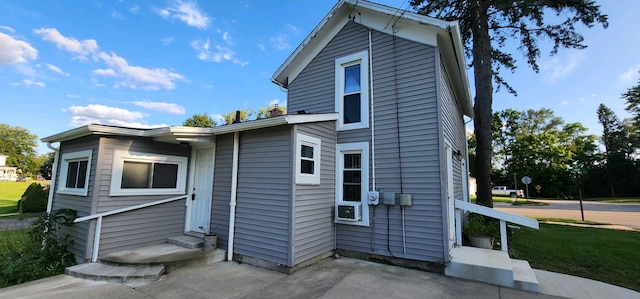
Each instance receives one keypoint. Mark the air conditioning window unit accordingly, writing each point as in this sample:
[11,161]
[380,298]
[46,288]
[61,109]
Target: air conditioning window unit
[349,211]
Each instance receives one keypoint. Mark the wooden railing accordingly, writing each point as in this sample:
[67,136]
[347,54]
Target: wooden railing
[99,216]
[504,217]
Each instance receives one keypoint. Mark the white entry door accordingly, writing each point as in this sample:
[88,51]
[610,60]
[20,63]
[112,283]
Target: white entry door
[203,189]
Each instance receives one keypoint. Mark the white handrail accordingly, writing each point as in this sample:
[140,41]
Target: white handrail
[504,217]
[99,216]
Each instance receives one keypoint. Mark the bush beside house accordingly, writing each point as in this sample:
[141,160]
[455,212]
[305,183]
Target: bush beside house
[34,199]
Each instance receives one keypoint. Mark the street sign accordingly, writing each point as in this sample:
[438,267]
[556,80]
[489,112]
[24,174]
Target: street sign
[526,180]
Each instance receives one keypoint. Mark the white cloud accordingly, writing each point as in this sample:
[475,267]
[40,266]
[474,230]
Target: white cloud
[15,51]
[161,106]
[280,42]
[70,44]
[167,41]
[555,69]
[116,15]
[7,28]
[216,54]
[261,46]
[31,82]
[83,120]
[137,76]
[187,12]
[73,96]
[565,103]
[292,28]
[95,111]
[134,10]
[631,75]
[56,69]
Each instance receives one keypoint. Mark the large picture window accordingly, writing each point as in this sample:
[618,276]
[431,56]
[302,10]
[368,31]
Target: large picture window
[352,177]
[74,173]
[307,160]
[352,91]
[148,174]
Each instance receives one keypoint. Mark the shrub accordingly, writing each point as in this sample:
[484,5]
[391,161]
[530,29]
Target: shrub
[34,199]
[479,225]
[43,254]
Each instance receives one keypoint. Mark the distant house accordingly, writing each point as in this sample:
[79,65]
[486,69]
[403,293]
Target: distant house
[368,164]
[7,173]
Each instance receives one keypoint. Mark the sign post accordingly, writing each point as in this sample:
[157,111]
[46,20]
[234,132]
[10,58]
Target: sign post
[526,180]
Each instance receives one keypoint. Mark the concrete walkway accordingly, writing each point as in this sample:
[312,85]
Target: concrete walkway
[9,224]
[329,278]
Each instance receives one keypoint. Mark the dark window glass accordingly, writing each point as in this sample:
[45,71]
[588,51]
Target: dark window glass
[135,175]
[165,175]
[82,174]
[352,177]
[306,151]
[72,174]
[352,108]
[306,166]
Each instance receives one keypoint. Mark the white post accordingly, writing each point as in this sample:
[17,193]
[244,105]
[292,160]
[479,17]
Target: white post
[234,194]
[503,235]
[459,214]
[96,240]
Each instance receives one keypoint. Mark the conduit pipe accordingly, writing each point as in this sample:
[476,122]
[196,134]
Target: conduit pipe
[373,130]
[234,194]
[54,171]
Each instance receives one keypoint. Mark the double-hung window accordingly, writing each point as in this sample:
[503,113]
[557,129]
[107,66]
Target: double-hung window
[147,174]
[352,178]
[74,173]
[307,160]
[352,91]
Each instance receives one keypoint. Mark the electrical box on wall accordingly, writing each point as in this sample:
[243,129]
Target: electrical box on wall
[405,200]
[373,197]
[389,198]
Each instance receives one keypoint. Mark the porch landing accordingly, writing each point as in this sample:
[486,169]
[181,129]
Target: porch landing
[146,263]
[491,266]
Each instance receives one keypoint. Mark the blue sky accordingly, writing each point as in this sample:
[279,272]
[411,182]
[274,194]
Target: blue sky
[155,63]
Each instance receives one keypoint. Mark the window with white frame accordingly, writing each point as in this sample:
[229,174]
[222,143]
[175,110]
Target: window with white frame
[352,177]
[307,160]
[147,174]
[74,173]
[352,91]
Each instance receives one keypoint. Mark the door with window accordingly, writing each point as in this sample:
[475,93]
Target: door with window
[203,189]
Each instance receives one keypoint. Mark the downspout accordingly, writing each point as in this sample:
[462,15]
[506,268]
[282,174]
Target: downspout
[234,194]
[373,130]
[54,171]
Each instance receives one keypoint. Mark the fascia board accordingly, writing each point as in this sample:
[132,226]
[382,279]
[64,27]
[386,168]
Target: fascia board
[92,130]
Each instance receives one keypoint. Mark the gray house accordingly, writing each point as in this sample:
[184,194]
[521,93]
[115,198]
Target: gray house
[368,163]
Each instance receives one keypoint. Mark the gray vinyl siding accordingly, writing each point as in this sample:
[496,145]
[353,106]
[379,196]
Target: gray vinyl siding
[143,227]
[454,131]
[222,188]
[417,148]
[263,210]
[81,204]
[313,229]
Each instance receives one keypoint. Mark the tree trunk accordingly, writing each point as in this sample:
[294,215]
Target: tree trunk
[483,100]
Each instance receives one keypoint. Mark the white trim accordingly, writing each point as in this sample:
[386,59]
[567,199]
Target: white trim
[74,157]
[120,156]
[363,149]
[316,144]
[361,58]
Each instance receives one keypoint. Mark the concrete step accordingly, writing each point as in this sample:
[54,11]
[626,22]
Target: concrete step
[111,273]
[170,255]
[485,265]
[186,241]
[523,276]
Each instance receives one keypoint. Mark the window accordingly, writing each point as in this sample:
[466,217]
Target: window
[147,174]
[352,177]
[352,91]
[307,160]
[74,173]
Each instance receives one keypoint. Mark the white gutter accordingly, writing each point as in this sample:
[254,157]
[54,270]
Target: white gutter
[54,170]
[234,194]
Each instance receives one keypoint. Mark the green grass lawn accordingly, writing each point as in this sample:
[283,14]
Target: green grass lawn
[10,193]
[606,255]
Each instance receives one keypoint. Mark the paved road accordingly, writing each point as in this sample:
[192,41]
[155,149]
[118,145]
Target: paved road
[625,214]
[8,224]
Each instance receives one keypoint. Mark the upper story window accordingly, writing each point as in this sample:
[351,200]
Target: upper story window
[352,91]
[74,173]
[147,174]
[307,160]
